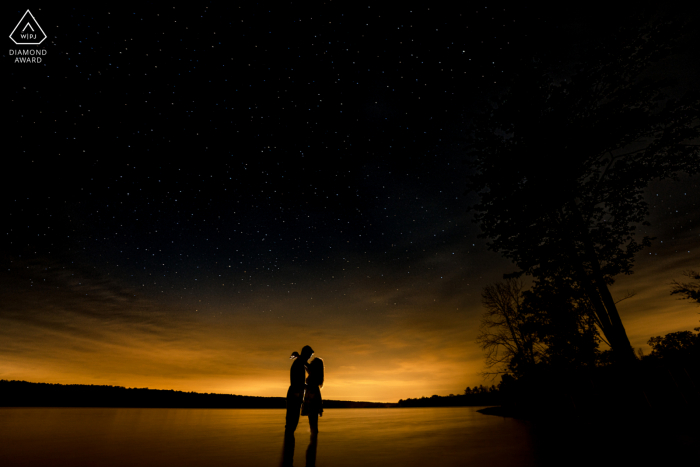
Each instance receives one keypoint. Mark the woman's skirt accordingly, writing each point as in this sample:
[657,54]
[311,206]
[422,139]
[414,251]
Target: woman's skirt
[313,404]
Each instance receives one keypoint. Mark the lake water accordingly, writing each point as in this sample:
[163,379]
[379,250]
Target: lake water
[457,436]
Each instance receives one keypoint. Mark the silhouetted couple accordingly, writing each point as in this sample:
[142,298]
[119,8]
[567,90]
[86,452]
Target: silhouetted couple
[304,394]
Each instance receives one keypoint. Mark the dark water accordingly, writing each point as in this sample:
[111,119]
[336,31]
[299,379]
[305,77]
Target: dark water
[444,437]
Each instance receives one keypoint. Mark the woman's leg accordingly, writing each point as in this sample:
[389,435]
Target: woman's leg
[313,423]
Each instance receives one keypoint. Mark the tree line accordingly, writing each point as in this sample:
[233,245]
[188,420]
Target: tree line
[478,395]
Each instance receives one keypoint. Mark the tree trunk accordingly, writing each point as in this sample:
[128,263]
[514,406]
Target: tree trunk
[600,295]
[505,290]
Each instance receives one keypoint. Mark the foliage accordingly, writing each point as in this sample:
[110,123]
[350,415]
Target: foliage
[563,319]
[688,290]
[674,345]
[560,165]
[683,345]
[551,325]
[479,390]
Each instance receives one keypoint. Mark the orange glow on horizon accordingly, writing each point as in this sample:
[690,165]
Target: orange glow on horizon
[424,347]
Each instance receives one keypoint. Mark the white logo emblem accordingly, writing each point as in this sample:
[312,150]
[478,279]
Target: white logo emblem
[28,31]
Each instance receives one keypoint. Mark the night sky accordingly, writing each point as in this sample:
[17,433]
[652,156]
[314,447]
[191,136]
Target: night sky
[193,193]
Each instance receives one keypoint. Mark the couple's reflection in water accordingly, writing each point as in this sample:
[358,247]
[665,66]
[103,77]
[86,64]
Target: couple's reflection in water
[288,451]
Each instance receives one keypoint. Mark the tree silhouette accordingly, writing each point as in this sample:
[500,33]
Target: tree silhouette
[504,334]
[688,290]
[551,325]
[682,345]
[560,164]
[676,346]
[563,319]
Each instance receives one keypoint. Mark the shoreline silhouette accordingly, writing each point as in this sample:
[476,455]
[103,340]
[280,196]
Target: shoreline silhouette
[28,394]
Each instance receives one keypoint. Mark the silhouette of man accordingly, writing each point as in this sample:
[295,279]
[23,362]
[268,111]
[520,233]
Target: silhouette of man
[295,393]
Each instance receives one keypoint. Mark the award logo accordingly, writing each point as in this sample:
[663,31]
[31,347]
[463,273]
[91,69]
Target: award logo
[28,32]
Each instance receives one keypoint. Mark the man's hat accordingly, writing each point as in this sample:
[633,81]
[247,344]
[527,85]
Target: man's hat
[295,354]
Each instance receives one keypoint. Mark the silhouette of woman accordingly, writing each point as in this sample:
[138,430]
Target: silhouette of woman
[313,404]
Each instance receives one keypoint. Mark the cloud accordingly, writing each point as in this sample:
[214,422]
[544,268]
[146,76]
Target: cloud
[60,317]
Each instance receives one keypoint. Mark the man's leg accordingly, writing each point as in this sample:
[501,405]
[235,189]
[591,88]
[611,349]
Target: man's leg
[292,419]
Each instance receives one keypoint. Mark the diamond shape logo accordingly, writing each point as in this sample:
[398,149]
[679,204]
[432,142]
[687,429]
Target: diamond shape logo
[28,31]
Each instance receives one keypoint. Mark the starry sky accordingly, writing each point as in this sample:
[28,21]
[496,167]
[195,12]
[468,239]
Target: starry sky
[197,191]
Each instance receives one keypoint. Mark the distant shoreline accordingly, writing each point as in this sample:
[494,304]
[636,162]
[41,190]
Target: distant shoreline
[388,405]
[27,394]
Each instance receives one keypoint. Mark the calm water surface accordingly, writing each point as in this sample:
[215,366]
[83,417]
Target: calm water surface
[445,437]
[251,437]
